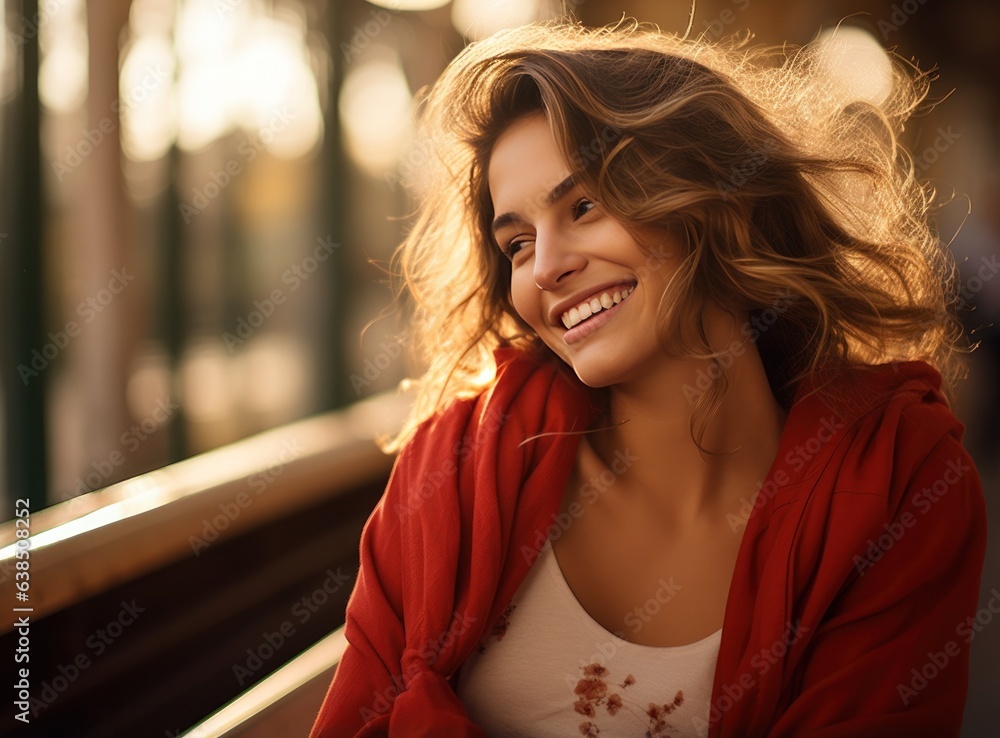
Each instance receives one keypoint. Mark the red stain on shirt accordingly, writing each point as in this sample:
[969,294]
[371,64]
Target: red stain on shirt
[592,691]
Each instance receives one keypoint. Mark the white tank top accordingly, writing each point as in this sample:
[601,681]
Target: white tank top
[550,670]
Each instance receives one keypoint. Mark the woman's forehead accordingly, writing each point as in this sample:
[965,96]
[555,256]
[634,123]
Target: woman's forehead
[526,161]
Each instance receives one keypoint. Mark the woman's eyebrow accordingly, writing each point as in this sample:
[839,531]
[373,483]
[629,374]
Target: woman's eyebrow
[556,192]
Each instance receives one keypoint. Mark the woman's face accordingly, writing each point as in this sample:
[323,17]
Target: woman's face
[578,277]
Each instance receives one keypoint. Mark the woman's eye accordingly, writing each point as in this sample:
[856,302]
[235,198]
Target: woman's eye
[513,247]
[581,207]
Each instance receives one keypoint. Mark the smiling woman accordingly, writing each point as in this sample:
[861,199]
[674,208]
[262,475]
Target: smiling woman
[689,341]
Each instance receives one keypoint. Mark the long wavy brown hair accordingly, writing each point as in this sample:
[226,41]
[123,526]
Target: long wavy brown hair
[794,202]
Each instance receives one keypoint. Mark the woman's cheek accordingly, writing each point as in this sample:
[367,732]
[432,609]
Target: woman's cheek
[522,297]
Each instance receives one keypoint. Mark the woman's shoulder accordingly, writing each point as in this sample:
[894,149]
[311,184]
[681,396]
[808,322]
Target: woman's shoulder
[869,429]
[904,397]
[891,455]
[895,426]
[867,386]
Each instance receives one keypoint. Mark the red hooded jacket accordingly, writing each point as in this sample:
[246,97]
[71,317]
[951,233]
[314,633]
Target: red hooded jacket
[850,606]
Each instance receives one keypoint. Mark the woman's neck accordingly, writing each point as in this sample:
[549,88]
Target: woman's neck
[668,476]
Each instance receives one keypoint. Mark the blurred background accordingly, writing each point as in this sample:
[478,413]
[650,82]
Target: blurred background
[199,200]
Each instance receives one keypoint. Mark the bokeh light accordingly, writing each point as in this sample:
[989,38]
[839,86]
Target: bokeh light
[856,63]
[375,109]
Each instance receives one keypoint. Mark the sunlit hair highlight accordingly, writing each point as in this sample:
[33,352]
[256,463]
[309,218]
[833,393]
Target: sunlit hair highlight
[793,203]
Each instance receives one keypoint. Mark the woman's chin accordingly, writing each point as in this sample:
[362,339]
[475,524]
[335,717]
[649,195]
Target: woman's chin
[598,374]
[607,364]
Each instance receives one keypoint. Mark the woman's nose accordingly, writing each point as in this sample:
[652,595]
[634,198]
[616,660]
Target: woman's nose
[556,258]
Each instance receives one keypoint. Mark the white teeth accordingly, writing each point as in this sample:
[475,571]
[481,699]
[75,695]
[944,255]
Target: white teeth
[576,315]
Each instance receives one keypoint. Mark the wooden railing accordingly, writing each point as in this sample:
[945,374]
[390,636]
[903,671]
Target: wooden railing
[215,548]
[285,703]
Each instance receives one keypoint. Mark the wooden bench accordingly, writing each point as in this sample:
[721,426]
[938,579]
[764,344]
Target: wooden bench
[215,551]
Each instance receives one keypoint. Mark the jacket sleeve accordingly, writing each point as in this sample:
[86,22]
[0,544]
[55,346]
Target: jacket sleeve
[891,657]
[382,685]
[440,554]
